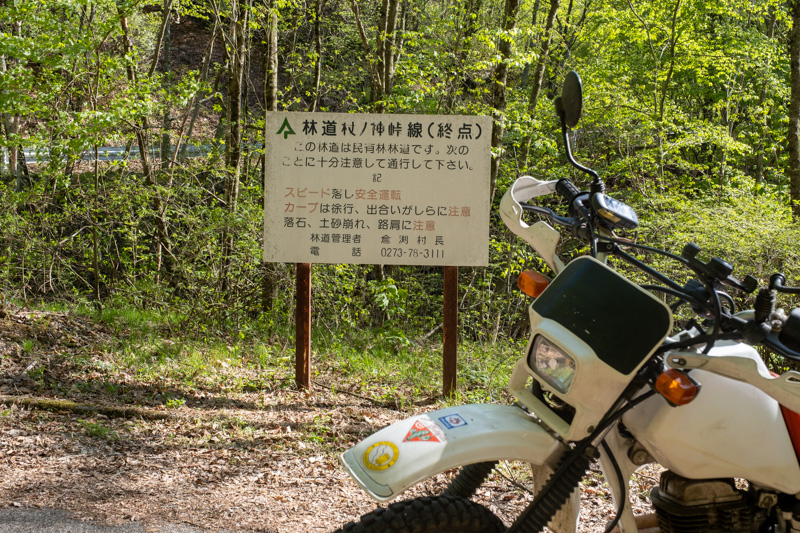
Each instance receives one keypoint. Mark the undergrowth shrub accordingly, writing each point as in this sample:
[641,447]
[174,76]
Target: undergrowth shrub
[752,231]
[50,236]
[750,228]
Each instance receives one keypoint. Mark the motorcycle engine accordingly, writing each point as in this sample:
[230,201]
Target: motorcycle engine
[709,505]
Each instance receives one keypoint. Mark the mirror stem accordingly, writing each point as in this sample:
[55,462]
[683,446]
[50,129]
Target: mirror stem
[571,159]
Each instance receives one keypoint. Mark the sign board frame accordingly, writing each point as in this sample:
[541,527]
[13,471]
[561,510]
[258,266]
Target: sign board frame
[354,188]
[377,189]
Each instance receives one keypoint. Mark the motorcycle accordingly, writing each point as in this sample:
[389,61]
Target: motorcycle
[609,375]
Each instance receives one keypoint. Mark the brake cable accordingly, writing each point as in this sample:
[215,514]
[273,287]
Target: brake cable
[623,487]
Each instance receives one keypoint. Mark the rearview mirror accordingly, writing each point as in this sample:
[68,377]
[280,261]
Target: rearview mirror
[572,99]
[568,108]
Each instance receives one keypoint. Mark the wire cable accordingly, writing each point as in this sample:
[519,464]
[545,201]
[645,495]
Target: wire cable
[623,487]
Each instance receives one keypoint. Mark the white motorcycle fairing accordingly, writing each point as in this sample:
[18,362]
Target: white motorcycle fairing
[388,462]
[732,429]
[541,236]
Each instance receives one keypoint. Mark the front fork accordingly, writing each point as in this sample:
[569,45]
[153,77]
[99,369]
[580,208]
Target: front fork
[617,470]
[557,500]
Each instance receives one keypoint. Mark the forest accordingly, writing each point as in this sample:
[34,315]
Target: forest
[147,349]
[691,113]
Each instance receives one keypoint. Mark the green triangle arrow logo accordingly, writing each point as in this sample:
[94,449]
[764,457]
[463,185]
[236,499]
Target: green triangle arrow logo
[286,129]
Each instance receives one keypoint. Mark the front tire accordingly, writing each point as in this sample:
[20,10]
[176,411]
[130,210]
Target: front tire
[432,514]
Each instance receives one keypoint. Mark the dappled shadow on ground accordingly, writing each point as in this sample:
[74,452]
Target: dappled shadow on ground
[243,470]
[60,355]
[243,460]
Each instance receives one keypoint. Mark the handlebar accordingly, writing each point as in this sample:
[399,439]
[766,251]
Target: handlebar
[779,336]
[579,218]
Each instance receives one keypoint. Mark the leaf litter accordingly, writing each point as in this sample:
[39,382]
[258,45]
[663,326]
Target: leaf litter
[247,459]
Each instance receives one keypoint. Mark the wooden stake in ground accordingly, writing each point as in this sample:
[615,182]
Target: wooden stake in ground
[450,333]
[302,365]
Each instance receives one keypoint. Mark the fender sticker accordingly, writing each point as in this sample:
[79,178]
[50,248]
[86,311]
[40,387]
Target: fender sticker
[420,432]
[381,456]
[452,421]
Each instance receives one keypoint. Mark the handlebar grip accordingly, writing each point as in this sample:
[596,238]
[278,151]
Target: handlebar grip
[567,190]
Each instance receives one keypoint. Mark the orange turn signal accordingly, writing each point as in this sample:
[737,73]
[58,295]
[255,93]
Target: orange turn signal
[677,387]
[532,283]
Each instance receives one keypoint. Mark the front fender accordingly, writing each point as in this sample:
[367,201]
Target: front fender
[388,462]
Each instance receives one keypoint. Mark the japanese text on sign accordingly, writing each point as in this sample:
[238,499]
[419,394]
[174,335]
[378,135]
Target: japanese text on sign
[382,189]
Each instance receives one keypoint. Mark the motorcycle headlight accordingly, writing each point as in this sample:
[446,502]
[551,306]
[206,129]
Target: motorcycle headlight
[551,364]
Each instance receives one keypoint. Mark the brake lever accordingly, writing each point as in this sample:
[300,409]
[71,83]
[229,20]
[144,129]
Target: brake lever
[777,282]
[567,222]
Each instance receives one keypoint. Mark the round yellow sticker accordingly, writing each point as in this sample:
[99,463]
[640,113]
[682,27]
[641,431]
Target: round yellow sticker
[381,455]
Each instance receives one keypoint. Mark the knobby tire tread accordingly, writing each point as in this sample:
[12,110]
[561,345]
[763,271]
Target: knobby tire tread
[432,514]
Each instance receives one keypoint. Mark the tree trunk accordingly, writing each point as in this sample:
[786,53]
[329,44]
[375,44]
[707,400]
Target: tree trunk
[794,113]
[375,81]
[95,235]
[390,47]
[8,127]
[538,77]
[238,39]
[23,174]
[166,260]
[11,123]
[195,105]
[385,48]
[673,42]
[271,62]
[460,77]
[764,126]
[499,88]
[140,129]
[380,45]
[3,124]
[318,59]
[166,69]
[270,271]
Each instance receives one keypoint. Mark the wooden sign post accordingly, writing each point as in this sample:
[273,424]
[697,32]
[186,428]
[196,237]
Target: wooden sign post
[450,331]
[302,356]
[377,189]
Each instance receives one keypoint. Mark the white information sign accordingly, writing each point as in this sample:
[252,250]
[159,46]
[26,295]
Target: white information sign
[377,189]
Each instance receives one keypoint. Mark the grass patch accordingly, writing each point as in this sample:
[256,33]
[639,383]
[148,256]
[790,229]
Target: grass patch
[28,345]
[146,361]
[412,372]
[97,430]
[123,376]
